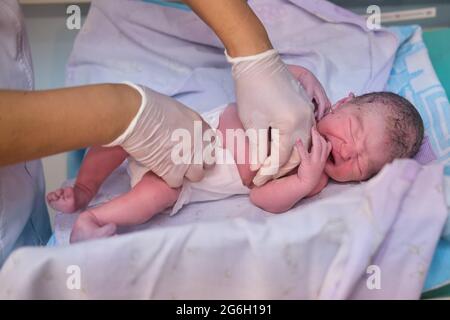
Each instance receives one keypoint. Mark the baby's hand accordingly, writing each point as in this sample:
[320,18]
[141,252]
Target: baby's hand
[312,163]
[313,88]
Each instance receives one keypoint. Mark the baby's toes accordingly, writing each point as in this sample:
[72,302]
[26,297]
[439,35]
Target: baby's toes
[55,195]
[67,194]
[63,200]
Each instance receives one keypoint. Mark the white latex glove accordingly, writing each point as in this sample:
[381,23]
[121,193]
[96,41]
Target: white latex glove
[268,96]
[148,138]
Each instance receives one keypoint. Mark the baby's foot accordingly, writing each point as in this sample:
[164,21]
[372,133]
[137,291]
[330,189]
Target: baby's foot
[87,227]
[69,200]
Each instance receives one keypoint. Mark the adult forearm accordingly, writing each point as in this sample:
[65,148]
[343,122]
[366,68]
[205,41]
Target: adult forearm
[236,25]
[35,124]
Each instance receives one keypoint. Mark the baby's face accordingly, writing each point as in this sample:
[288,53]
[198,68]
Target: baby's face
[358,139]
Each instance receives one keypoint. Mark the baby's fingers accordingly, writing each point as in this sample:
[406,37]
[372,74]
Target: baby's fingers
[316,149]
[326,151]
[301,150]
[323,150]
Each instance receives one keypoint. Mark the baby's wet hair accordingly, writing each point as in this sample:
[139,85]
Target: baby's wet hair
[405,128]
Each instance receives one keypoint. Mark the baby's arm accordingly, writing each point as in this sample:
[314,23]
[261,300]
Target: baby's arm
[323,182]
[280,195]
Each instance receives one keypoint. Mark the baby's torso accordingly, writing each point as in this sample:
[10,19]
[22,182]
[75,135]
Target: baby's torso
[233,139]
[221,119]
[232,148]
[227,177]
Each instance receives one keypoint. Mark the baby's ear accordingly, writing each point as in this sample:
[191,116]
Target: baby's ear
[343,101]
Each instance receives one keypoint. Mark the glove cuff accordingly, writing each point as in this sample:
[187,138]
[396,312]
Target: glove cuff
[133,122]
[256,57]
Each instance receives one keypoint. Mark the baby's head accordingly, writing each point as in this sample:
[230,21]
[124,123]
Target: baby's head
[369,131]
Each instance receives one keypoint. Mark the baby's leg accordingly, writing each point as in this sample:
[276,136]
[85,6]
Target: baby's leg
[148,198]
[98,164]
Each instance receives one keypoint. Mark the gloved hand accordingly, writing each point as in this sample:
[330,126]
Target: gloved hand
[268,96]
[148,138]
[314,90]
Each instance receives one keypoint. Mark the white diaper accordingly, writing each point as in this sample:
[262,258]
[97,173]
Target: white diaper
[220,182]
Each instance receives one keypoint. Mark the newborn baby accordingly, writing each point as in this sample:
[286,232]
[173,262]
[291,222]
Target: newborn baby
[351,143]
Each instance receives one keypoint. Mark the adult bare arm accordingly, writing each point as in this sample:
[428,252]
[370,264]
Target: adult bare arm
[35,124]
[236,25]
[140,120]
